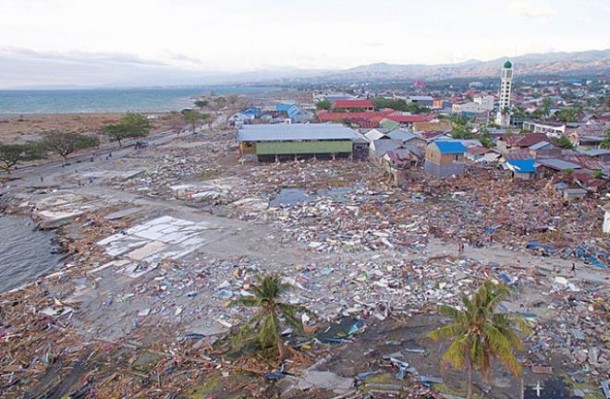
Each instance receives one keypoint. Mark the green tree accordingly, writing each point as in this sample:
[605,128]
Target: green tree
[64,144]
[520,114]
[564,142]
[478,333]
[485,138]
[461,132]
[547,103]
[393,103]
[137,124]
[567,115]
[89,141]
[131,125]
[265,327]
[192,116]
[12,154]
[323,104]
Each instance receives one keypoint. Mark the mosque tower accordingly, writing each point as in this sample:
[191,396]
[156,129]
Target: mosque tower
[503,116]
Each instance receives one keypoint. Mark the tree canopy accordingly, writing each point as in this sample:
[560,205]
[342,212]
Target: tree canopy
[564,142]
[547,103]
[399,104]
[192,116]
[64,144]
[12,154]
[131,125]
[265,327]
[485,138]
[567,115]
[323,104]
[478,334]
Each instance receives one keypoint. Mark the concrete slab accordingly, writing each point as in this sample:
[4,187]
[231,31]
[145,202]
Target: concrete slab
[147,250]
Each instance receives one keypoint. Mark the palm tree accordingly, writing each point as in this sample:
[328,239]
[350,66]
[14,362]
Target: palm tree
[479,334]
[265,327]
[547,103]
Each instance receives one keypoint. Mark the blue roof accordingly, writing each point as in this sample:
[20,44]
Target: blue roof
[522,165]
[293,111]
[252,111]
[450,147]
[283,107]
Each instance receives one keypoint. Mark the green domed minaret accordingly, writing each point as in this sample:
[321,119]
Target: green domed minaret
[503,116]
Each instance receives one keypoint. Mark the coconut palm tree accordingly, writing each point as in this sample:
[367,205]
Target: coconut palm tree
[479,334]
[265,327]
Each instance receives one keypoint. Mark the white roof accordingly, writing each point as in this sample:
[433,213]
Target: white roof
[374,134]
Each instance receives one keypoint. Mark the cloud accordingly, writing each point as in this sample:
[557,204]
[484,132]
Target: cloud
[530,9]
[77,57]
[27,67]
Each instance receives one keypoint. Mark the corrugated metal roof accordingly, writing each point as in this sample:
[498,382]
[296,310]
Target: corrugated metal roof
[522,165]
[293,132]
[284,107]
[382,146]
[353,104]
[540,145]
[374,134]
[403,135]
[421,98]
[558,164]
[597,152]
[450,147]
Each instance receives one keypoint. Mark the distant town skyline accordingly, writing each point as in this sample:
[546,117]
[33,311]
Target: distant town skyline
[240,35]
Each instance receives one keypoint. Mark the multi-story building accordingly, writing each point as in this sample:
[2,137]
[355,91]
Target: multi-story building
[503,116]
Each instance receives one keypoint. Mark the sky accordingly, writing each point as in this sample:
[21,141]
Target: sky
[95,38]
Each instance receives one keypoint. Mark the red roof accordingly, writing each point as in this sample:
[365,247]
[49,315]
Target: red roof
[530,139]
[326,116]
[478,150]
[526,140]
[353,104]
[410,118]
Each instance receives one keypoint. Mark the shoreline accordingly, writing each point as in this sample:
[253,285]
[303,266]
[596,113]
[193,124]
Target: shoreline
[58,247]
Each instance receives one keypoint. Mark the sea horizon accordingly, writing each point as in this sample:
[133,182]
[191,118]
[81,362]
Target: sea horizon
[110,100]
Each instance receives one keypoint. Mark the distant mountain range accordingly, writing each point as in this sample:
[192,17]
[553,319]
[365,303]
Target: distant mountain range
[22,68]
[594,61]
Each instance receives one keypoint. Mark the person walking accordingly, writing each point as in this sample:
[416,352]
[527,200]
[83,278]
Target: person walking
[574,268]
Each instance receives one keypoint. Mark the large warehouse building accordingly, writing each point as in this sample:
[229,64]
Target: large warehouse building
[299,141]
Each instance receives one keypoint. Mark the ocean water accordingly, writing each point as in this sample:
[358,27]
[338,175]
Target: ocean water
[25,253]
[18,102]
